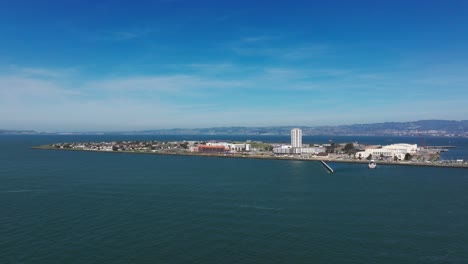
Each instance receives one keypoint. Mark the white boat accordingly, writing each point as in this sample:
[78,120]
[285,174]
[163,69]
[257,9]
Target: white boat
[372,164]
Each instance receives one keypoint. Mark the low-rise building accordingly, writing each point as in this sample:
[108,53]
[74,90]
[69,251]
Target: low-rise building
[283,149]
[211,149]
[239,147]
[395,150]
[313,150]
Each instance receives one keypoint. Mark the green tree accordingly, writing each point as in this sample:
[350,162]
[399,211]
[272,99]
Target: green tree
[349,148]
[408,156]
[331,148]
[369,157]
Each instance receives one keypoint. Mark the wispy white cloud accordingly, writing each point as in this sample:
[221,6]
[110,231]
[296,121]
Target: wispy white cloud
[277,47]
[256,39]
[173,84]
[204,66]
[40,72]
[16,89]
[229,16]
[287,53]
[445,75]
[267,96]
[123,34]
[305,52]
[210,68]
[224,17]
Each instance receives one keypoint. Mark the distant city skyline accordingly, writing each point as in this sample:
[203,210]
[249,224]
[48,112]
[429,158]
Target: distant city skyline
[114,66]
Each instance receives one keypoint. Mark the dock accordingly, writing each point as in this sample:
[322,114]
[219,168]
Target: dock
[327,167]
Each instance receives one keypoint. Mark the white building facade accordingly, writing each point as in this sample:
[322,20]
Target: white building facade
[313,150]
[285,149]
[296,138]
[395,150]
[231,146]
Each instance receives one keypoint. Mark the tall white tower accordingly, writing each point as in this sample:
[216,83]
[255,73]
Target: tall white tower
[296,138]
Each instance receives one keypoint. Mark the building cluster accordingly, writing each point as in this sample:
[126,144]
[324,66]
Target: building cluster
[343,151]
[296,146]
[394,151]
[137,146]
[157,146]
[221,147]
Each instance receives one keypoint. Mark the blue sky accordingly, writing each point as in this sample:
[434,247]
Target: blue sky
[118,65]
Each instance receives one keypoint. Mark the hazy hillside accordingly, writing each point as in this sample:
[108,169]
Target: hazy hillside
[423,127]
[15,132]
[416,128]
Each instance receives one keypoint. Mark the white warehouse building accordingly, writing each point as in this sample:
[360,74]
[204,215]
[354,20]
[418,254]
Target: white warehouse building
[394,150]
[313,150]
[285,149]
[288,149]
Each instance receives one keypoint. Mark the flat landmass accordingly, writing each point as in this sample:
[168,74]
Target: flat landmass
[427,156]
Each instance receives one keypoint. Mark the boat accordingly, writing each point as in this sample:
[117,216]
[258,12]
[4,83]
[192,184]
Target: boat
[372,164]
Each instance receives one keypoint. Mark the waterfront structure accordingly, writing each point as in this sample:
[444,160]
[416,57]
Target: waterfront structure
[296,138]
[239,147]
[428,156]
[296,141]
[313,150]
[391,151]
[211,149]
[284,149]
[288,149]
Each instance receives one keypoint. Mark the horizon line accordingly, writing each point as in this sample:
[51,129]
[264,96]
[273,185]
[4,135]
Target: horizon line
[219,127]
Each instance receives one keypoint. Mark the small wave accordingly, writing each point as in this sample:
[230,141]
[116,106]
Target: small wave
[20,191]
[260,207]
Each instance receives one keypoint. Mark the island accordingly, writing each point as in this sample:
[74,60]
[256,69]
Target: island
[350,152]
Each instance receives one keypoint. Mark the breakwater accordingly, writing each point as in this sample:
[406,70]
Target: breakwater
[327,166]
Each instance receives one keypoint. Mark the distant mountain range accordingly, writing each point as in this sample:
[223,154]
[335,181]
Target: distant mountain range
[416,128]
[16,132]
[423,127]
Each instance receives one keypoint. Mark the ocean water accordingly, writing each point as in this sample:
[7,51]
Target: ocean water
[84,207]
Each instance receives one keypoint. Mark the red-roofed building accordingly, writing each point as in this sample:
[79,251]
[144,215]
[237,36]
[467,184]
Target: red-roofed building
[211,149]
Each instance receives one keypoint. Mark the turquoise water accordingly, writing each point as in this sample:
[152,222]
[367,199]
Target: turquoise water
[82,207]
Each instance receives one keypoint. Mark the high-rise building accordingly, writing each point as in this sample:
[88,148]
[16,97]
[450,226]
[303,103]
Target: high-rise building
[296,138]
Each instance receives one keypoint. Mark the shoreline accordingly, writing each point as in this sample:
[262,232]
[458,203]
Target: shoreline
[212,155]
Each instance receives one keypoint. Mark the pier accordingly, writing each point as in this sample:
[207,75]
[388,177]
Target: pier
[327,167]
